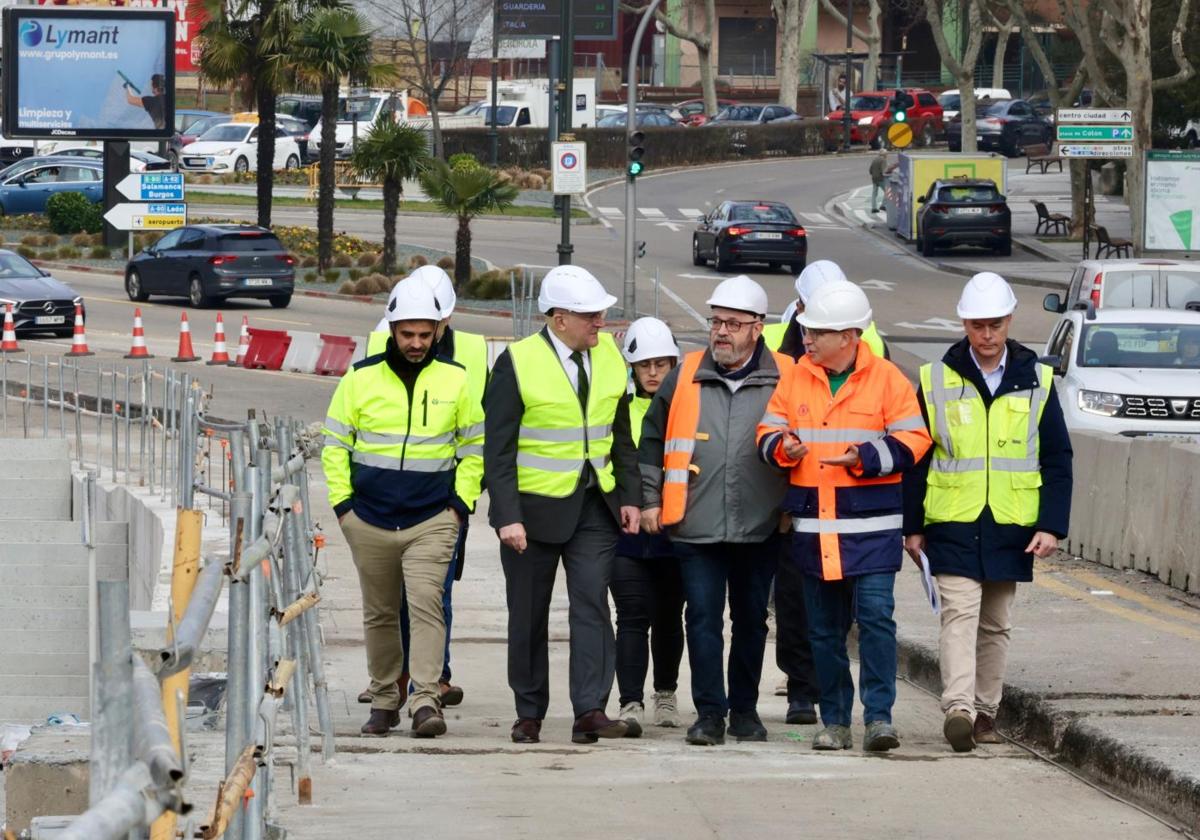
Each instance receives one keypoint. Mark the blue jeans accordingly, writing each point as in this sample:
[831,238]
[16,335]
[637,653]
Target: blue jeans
[744,570]
[447,609]
[832,607]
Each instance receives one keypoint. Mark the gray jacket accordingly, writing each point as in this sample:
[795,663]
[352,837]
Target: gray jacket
[734,497]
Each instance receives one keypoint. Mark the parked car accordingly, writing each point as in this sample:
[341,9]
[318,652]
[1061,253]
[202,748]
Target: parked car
[752,115]
[39,302]
[306,108]
[951,100]
[642,119]
[25,164]
[28,191]
[138,161]
[964,211]
[209,263]
[871,114]
[1007,126]
[1133,284]
[751,231]
[185,118]
[233,147]
[190,135]
[692,113]
[294,127]
[1128,372]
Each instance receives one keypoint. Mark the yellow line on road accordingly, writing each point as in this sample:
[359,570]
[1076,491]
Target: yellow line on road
[285,321]
[1153,622]
[1096,581]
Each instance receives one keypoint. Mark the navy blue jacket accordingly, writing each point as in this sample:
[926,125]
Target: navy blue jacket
[985,550]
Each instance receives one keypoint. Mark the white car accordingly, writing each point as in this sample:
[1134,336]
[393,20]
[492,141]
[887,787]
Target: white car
[233,147]
[1132,283]
[1133,372]
[951,100]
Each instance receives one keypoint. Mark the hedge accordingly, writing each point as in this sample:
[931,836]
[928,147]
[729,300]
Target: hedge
[527,147]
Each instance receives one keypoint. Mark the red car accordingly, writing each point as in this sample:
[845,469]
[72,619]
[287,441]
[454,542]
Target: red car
[871,114]
[693,110]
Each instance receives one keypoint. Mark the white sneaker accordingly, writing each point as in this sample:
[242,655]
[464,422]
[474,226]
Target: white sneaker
[666,710]
[632,713]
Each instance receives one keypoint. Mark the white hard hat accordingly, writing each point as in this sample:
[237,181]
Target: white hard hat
[740,293]
[815,275]
[574,289]
[986,295]
[789,313]
[649,338]
[839,305]
[442,285]
[412,300]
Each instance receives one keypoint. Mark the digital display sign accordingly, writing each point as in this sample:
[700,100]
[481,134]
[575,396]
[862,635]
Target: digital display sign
[595,20]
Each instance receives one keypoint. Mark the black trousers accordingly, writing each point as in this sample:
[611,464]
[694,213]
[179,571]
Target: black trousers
[793,653]
[649,598]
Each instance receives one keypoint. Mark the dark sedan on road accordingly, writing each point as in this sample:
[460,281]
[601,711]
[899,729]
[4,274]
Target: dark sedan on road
[208,263]
[642,119]
[1007,126]
[964,211]
[751,231]
[39,302]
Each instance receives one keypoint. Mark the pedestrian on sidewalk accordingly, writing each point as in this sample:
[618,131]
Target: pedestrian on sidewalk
[470,351]
[879,170]
[646,585]
[403,463]
[703,481]
[993,494]
[562,483]
[846,424]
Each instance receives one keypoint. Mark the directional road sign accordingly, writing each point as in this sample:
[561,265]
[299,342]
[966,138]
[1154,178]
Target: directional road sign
[1093,115]
[152,186]
[1096,150]
[1100,133]
[130,216]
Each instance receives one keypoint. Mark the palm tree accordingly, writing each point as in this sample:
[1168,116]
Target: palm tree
[390,154]
[465,192]
[331,43]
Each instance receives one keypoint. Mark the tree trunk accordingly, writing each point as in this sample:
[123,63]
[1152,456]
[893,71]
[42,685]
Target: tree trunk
[264,177]
[708,79]
[874,44]
[788,12]
[462,253]
[1140,101]
[1003,30]
[391,201]
[1079,174]
[325,173]
[966,95]
[437,126]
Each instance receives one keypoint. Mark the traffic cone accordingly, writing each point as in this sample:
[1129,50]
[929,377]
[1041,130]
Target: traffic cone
[79,339]
[243,343]
[186,353]
[219,356]
[9,343]
[138,349]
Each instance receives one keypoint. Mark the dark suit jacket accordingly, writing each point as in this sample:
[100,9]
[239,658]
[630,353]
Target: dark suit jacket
[545,519]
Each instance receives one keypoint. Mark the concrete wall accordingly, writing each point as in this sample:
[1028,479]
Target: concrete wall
[146,537]
[1136,505]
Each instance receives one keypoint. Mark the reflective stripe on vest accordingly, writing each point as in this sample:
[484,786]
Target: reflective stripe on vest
[981,455]
[555,439]
[470,351]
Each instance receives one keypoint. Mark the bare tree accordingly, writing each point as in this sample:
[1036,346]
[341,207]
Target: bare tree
[1004,30]
[700,36]
[792,14]
[872,37]
[962,68]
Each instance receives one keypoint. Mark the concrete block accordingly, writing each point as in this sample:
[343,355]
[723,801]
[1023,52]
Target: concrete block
[41,531]
[1180,565]
[74,574]
[20,618]
[1079,531]
[37,468]
[25,508]
[35,708]
[30,449]
[44,640]
[48,776]
[47,555]
[303,352]
[1101,467]
[21,665]
[26,595]
[46,690]
[1144,543]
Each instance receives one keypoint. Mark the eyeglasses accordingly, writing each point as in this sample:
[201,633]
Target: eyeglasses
[733,325]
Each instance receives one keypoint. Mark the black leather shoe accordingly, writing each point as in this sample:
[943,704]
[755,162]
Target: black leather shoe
[707,731]
[591,726]
[381,722]
[746,726]
[801,712]
[428,723]
[527,731]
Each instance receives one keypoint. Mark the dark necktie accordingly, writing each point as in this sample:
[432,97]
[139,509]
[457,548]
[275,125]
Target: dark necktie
[582,388]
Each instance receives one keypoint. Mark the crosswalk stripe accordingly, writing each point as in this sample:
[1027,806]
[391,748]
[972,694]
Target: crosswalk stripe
[653,213]
[816,218]
[690,212]
[610,211]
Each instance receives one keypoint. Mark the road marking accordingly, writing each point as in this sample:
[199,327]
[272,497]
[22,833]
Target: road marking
[816,218]
[878,285]
[691,213]
[672,226]
[944,324]
[701,276]
[864,217]
[285,321]
[615,212]
[683,304]
[1102,584]
[1068,591]
[652,213]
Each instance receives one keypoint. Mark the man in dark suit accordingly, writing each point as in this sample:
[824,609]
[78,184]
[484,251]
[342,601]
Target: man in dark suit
[562,479]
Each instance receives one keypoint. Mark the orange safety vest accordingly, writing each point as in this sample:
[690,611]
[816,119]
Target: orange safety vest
[680,440]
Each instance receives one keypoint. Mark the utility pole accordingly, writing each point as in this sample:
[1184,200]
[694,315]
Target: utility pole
[846,120]
[566,110]
[629,303]
[493,135]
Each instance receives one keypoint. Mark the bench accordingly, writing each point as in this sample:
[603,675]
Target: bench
[1055,223]
[345,179]
[1041,155]
[1107,245]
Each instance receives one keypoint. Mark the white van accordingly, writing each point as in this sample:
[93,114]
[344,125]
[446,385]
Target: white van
[951,100]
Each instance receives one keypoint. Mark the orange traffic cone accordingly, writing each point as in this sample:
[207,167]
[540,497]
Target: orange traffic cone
[138,349]
[9,342]
[79,339]
[243,343]
[186,353]
[220,356]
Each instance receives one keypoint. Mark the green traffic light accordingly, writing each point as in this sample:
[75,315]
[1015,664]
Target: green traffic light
[636,167]
[901,116]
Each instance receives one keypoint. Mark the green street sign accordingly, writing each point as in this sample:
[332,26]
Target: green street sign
[1102,133]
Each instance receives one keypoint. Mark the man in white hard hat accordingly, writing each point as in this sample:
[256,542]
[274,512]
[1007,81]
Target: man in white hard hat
[703,482]
[993,494]
[846,425]
[562,483]
[787,336]
[402,481]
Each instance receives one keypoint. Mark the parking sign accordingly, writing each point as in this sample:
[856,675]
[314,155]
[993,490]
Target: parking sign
[569,175]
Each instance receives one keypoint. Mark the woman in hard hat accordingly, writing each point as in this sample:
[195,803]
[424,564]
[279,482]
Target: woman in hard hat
[646,585]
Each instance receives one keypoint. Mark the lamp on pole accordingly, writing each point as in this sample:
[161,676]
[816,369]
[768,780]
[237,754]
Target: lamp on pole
[846,120]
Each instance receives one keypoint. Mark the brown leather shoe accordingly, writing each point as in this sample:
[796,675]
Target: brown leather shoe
[957,729]
[381,722]
[985,730]
[428,723]
[527,731]
[402,684]
[449,695]
[593,725]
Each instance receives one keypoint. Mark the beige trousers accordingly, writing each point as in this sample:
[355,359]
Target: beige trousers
[976,624]
[390,562]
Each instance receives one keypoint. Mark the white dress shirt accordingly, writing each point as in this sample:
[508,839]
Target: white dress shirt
[564,355]
[992,380]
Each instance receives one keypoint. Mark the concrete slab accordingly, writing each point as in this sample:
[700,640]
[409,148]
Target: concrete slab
[35,449]
[48,775]
[50,489]
[24,508]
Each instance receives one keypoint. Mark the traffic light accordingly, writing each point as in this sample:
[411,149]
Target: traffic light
[635,154]
[901,102]
[641,248]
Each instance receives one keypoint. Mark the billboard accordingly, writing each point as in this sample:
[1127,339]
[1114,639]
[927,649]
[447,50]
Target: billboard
[89,72]
[189,17]
[1172,201]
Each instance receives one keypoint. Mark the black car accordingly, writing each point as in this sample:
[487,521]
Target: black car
[1005,125]
[208,263]
[964,211]
[39,302]
[751,231]
[298,130]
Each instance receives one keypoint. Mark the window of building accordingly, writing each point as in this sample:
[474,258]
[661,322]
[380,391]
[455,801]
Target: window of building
[746,46]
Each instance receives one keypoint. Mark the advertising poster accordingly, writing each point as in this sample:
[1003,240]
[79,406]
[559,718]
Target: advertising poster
[1172,201]
[189,17]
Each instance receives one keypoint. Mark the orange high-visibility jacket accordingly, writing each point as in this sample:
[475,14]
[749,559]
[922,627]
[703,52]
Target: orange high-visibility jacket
[846,521]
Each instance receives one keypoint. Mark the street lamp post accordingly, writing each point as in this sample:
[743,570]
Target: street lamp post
[566,109]
[846,120]
[493,134]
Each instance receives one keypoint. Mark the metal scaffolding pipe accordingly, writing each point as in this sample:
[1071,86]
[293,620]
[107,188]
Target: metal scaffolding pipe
[131,804]
[151,738]
[190,632]
[229,798]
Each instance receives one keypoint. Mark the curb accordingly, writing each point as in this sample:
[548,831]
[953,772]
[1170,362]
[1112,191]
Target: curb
[1031,719]
[589,220]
